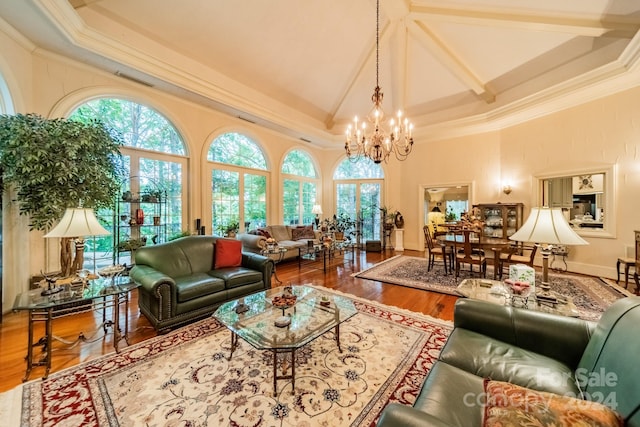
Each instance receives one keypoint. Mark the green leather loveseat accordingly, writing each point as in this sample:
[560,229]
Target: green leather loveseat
[178,282]
[565,356]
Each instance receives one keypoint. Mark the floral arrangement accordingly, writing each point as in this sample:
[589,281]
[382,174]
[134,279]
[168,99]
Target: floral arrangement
[471,220]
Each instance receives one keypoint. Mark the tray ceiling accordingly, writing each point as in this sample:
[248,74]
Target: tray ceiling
[307,67]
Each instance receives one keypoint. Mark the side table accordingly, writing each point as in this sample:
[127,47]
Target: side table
[562,252]
[100,293]
[276,254]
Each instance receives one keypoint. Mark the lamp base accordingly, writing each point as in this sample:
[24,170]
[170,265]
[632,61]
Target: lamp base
[545,294]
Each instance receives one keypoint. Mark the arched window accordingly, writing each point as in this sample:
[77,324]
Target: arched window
[358,193]
[154,156]
[238,184]
[299,188]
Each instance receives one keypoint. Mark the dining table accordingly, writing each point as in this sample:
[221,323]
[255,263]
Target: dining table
[494,244]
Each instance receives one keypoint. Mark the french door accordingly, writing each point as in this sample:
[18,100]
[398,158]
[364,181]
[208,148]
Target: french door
[361,200]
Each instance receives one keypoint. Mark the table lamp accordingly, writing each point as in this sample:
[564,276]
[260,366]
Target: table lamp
[547,227]
[317,209]
[74,225]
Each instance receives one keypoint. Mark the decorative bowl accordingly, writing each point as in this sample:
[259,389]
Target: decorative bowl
[111,271]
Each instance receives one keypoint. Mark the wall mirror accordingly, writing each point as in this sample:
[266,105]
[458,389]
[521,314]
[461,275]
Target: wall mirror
[587,198]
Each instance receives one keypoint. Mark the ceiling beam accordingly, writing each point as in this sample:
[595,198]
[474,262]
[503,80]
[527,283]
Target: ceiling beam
[397,11]
[366,65]
[526,21]
[449,59]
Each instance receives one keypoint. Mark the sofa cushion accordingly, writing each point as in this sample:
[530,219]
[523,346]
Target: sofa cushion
[491,358]
[304,232]
[511,405]
[452,395]
[228,253]
[292,244]
[236,276]
[197,285]
[280,232]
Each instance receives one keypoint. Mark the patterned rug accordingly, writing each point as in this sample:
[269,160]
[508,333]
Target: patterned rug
[590,295]
[184,378]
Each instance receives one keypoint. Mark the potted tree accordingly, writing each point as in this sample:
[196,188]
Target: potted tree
[344,226]
[55,164]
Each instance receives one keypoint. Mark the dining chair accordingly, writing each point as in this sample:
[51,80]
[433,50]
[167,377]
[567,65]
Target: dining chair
[466,253]
[437,250]
[518,253]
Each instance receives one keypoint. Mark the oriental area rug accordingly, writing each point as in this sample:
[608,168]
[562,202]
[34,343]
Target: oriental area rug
[591,295]
[185,378]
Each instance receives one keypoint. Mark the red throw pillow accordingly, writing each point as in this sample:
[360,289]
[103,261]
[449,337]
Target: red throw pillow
[228,253]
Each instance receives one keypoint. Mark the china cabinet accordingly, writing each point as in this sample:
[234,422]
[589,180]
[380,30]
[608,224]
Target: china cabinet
[500,219]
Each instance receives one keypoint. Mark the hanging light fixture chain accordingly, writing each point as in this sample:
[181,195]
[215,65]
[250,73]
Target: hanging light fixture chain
[377,43]
[381,142]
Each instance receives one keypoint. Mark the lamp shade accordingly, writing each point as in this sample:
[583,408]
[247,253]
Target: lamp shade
[316,209]
[547,226]
[78,222]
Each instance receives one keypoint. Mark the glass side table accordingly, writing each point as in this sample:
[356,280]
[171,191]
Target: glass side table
[97,294]
[276,254]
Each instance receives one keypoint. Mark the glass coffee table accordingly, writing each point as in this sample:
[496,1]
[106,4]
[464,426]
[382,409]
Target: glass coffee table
[496,292]
[313,314]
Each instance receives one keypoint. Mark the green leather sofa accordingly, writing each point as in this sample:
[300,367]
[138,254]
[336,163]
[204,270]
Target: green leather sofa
[178,283]
[532,349]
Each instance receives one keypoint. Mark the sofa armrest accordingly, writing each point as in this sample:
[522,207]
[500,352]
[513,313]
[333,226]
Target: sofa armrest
[259,263]
[559,337]
[150,279]
[252,242]
[396,415]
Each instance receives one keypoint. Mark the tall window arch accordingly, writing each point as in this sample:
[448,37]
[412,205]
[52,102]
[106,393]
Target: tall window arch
[358,193]
[154,156]
[299,188]
[238,183]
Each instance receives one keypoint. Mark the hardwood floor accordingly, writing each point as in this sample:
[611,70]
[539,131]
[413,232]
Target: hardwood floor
[13,330]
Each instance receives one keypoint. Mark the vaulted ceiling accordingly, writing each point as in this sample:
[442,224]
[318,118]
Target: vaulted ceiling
[306,67]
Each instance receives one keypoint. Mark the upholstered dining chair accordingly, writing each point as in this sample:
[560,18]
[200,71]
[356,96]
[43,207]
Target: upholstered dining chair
[518,253]
[435,250]
[465,253]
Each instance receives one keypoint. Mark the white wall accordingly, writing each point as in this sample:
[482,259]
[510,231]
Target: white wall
[602,131]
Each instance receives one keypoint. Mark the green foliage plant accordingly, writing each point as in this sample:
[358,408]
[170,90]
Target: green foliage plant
[54,164]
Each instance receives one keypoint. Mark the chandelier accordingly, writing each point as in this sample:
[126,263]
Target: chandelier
[379,143]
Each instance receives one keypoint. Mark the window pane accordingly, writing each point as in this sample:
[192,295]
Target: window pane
[255,201]
[308,200]
[237,149]
[346,201]
[370,196]
[139,126]
[291,201]
[364,168]
[298,163]
[167,177]
[226,199]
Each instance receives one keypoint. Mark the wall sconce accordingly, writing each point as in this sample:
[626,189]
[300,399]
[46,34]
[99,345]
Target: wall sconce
[506,189]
